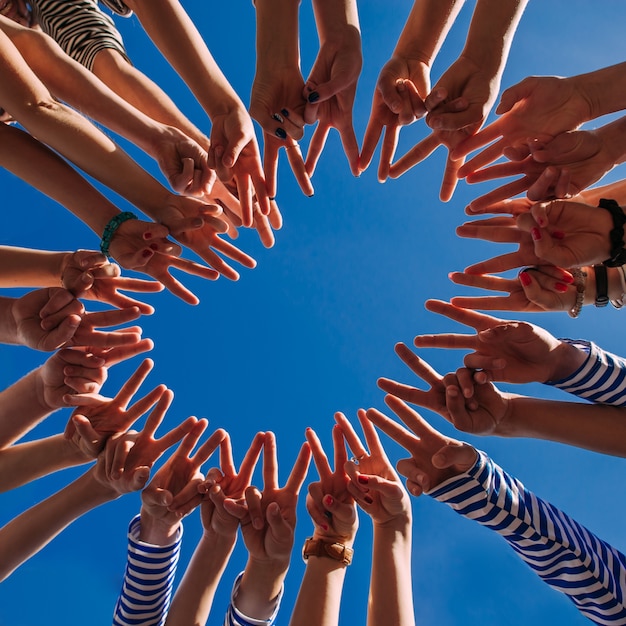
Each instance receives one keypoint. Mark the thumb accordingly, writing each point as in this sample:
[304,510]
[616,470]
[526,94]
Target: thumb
[155,496]
[139,478]
[460,454]
[511,96]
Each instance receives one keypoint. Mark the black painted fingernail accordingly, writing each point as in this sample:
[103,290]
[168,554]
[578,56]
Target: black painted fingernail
[285,112]
[280,133]
[272,198]
[313,96]
[278,118]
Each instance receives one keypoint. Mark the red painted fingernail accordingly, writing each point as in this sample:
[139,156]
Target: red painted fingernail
[328,500]
[535,233]
[154,246]
[525,279]
[561,287]
[368,500]
[558,234]
[567,278]
[363,479]
[325,527]
[146,253]
[147,235]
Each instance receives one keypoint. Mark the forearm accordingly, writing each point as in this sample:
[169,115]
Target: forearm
[391,591]
[176,36]
[148,578]
[613,136]
[21,407]
[25,462]
[491,33]
[335,18]
[260,588]
[277,43]
[319,598]
[426,29]
[26,267]
[560,551]
[597,427]
[193,598]
[604,90]
[616,191]
[29,532]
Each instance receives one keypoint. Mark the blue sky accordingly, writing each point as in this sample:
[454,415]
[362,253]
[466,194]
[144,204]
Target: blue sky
[310,330]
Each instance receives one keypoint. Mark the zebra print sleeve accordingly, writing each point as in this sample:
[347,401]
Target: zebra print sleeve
[564,554]
[601,378]
[79,27]
[147,589]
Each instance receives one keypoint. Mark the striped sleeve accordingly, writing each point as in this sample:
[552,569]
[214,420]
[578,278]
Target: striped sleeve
[601,378]
[234,617]
[147,589]
[560,551]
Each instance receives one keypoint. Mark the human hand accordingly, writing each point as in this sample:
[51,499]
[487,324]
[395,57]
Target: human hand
[374,484]
[268,517]
[277,104]
[330,90]
[534,290]
[173,490]
[434,457]
[183,162]
[398,100]
[235,155]
[47,319]
[537,106]
[227,483]
[128,469]
[97,418]
[329,503]
[88,274]
[503,350]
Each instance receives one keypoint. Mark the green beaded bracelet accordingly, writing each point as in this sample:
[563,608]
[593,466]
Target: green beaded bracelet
[111,227]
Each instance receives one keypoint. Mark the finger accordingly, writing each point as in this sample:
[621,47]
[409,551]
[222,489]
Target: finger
[450,179]
[412,419]
[122,353]
[174,436]
[370,141]
[270,462]
[191,439]
[482,159]
[350,146]
[387,151]
[455,454]
[484,202]
[250,459]
[482,281]
[253,501]
[158,413]
[132,385]
[488,230]
[503,263]
[94,442]
[417,365]
[319,456]
[371,436]
[339,447]
[227,464]
[316,145]
[350,435]
[415,155]
[294,156]
[478,321]
[406,392]
[446,340]
[205,451]
[465,378]
[270,163]
[300,469]
[244,193]
[398,433]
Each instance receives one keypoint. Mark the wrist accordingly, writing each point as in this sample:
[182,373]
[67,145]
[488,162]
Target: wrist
[586,102]
[157,532]
[398,527]
[613,139]
[277,44]
[507,425]
[566,359]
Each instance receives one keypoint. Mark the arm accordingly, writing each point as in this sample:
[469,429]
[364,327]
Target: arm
[564,554]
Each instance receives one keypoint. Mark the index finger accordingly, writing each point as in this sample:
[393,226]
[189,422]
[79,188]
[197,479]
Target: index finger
[319,456]
[417,365]
[300,470]
[250,459]
[208,447]
[370,141]
[391,428]
[478,321]
[270,462]
[131,386]
[294,156]
[355,444]
[415,155]
[157,414]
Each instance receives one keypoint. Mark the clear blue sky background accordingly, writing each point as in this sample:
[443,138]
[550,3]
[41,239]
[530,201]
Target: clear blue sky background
[311,328]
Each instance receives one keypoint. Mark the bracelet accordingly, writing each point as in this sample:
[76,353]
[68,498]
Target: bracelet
[616,236]
[602,286]
[580,282]
[619,303]
[331,549]
[111,227]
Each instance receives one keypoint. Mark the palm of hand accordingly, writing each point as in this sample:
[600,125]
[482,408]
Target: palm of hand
[485,419]
[340,530]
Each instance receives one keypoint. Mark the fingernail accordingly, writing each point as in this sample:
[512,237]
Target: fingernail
[558,234]
[567,278]
[272,198]
[146,253]
[285,112]
[525,279]
[280,133]
[535,233]
[325,527]
[154,246]
[363,479]
[278,118]
[147,235]
[328,501]
[561,287]
[368,500]
[313,96]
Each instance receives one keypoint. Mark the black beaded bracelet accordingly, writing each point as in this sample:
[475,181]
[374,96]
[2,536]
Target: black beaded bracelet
[109,230]
[618,253]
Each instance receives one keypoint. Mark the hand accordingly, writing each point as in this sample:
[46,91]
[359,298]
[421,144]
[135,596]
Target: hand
[537,106]
[374,484]
[137,452]
[398,100]
[98,418]
[435,458]
[234,154]
[183,162]
[74,375]
[330,90]
[503,350]
[47,319]
[173,490]
[228,483]
[536,289]
[88,274]
[268,517]
[329,503]
[277,104]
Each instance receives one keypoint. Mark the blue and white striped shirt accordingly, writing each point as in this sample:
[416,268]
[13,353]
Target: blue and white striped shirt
[560,551]
[601,378]
[148,580]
